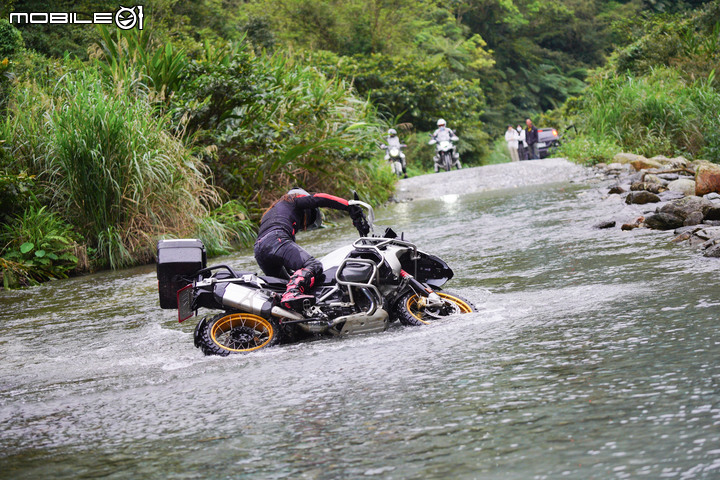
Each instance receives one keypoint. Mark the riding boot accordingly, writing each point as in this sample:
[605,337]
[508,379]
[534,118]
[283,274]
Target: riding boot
[295,297]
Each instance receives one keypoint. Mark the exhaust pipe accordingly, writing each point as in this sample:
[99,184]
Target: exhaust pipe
[251,301]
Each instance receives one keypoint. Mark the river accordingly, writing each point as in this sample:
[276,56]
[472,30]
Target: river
[594,354]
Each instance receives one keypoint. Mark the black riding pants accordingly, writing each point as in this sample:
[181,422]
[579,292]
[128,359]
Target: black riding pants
[276,253]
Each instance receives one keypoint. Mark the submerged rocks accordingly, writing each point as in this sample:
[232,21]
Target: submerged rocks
[664,221]
[605,224]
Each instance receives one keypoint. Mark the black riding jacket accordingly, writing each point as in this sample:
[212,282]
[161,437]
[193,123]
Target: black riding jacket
[295,213]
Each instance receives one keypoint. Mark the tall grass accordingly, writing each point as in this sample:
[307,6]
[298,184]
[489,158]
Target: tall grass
[115,172]
[658,114]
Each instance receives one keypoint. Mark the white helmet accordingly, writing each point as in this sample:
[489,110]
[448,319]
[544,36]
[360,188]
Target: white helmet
[441,123]
[392,132]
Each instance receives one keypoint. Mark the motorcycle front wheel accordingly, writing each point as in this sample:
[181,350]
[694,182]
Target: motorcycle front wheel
[228,333]
[411,309]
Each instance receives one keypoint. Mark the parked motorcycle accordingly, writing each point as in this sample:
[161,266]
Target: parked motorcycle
[365,287]
[444,152]
[395,158]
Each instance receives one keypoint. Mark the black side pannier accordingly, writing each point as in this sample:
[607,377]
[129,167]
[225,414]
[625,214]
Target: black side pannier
[177,261]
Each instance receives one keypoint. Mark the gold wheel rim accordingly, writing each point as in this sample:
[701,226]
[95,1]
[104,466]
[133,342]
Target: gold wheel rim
[461,305]
[221,332]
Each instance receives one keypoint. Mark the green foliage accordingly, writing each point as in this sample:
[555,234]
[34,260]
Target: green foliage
[116,172]
[15,193]
[417,91]
[37,246]
[129,57]
[11,40]
[656,114]
[274,122]
[589,150]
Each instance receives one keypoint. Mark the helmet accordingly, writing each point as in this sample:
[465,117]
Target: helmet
[312,218]
[392,132]
[441,123]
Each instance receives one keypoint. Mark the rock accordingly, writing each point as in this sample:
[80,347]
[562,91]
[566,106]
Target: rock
[616,190]
[651,178]
[661,159]
[713,213]
[645,163]
[605,224]
[641,197]
[713,196]
[686,186]
[712,223]
[636,224]
[663,221]
[707,233]
[648,187]
[668,196]
[685,206]
[679,162]
[695,218]
[666,176]
[623,157]
[707,179]
[691,229]
[713,252]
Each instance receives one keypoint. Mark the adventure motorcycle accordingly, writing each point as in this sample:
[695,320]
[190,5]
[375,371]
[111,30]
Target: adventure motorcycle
[395,158]
[364,288]
[444,150]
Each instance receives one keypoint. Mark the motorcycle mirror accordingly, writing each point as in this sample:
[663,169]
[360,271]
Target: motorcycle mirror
[355,195]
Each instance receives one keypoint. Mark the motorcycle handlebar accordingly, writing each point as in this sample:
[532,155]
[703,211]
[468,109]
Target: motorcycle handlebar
[370,215]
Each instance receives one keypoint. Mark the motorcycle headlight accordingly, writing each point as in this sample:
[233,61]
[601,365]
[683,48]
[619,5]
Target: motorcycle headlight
[394,152]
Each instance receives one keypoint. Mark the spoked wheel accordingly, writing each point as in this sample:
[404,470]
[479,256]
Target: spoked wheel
[413,310]
[228,333]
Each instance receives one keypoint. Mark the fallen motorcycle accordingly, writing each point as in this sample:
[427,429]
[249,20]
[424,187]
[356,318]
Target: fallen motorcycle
[364,288]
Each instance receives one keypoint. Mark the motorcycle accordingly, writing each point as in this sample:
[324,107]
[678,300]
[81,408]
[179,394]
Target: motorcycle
[395,158]
[444,150]
[364,288]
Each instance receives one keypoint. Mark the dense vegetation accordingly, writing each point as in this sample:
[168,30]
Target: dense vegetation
[110,139]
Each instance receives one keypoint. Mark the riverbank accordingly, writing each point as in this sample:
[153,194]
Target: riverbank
[667,195]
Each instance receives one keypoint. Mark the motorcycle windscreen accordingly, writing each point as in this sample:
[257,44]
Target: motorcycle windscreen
[432,270]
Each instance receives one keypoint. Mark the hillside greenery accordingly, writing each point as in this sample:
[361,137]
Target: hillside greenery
[111,139]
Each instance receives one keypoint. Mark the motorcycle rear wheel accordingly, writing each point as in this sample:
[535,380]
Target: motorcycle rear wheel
[410,311]
[228,333]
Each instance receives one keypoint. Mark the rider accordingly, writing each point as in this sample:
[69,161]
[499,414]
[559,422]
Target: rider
[443,134]
[275,248]
[394,141]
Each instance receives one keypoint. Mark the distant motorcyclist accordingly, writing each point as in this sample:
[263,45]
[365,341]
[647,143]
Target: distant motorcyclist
[276,250]
[393,141]
[444,134]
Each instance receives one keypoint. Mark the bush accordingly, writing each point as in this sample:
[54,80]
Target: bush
[11,41]
[38,246]
[109,164]
[274,123]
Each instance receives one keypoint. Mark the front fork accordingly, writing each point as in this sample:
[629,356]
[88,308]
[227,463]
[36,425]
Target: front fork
[427,296]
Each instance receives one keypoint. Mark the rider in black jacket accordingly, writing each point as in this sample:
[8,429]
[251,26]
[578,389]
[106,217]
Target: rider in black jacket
[275,248]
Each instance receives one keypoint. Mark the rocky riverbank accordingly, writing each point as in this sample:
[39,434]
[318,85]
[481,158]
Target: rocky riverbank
[671,194]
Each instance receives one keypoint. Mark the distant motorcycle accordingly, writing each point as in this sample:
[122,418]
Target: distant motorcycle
[365,286]
[444,153]
[395,158]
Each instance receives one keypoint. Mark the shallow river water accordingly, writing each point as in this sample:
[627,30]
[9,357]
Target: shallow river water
[594,354]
